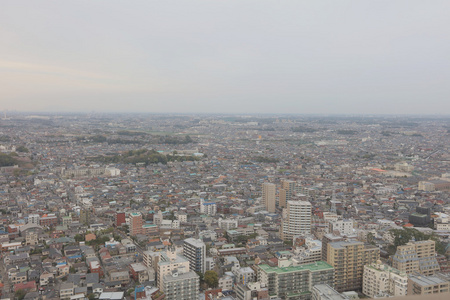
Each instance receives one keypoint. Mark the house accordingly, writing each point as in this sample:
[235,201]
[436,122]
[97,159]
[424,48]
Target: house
[45,278]
[66,290]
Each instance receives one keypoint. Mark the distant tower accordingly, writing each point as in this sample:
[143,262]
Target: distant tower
[268,196]
[333,202]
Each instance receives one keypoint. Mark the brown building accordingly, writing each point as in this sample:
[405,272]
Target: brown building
[349,259]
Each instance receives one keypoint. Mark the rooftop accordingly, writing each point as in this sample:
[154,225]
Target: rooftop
[317,266]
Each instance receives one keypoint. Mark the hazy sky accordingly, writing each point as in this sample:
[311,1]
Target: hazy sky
[227,56]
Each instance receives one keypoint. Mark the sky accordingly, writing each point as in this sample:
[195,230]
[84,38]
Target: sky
[189,56]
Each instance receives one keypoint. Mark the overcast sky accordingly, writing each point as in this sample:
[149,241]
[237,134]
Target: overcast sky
[356,57]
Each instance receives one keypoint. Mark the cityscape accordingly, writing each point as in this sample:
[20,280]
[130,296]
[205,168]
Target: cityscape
[158,206]
[224,150]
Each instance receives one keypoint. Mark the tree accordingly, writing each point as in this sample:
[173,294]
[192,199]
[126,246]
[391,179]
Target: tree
[211,279]
[370,238]
[78,237]
[20,294]
[22,149]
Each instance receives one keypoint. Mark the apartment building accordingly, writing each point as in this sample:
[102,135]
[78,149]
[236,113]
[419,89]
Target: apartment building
[380,280]
[418,257]
[425,285]
[268,196]
[170,261]
[135,223]
[349,258]
[296,219]
[287,190]
[294,282]
[194,250]
[181,284]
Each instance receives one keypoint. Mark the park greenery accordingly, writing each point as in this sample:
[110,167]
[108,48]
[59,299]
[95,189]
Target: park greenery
[7,160]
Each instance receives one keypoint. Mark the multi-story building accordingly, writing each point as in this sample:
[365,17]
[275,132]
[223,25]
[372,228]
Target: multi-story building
[135,223]
[151,259]
[344,227]
[425,285]
[296,219]
[268,196]
[227,224]
[329,238]
[170,261]
[209,208]
[380,280]
[33,219]
[294,282]
[286,191]
[349,259]
[181,284]
[120,219]
[417,256]
[194,250]
[85,216]
[326,292]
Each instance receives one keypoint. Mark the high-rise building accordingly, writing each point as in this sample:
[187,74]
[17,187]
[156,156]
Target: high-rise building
[181,284]
[329,238]
[296,219]
[349,259]
[194,250]
[294,282]
[268,196]
[170,261]
[380,280]
[120,219]
[418,257]
[286,192]
[135,223]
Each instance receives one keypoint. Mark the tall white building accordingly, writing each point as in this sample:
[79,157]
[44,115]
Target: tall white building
[296,219]
[194,251]
[380,280]
[268,196]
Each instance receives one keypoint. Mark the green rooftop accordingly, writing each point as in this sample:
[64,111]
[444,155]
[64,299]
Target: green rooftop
[317,266]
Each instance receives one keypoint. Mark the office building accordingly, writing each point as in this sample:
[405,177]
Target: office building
[33,219]
[418,257]
[294,282]
[194,250]
[268,196]
[135,223]
[286,192]
[296,219]
[380,280]
[349,259]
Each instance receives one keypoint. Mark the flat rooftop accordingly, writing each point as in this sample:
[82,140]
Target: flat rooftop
[317,266]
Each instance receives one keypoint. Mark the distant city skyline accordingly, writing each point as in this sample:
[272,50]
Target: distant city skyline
[226,57]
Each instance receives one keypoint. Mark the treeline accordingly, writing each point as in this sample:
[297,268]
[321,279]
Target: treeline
[144,156]
[304,129]
[263,159]
[172,140]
